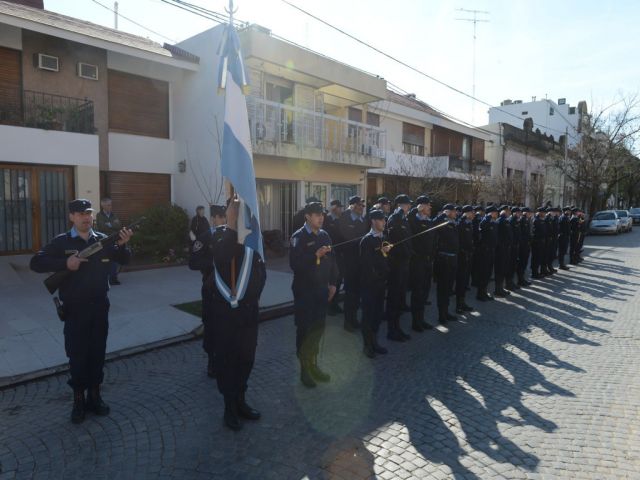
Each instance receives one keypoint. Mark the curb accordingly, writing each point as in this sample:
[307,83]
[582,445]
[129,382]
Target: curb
[268,313]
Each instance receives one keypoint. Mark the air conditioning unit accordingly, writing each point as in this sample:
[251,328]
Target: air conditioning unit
[48,62]
[88,71]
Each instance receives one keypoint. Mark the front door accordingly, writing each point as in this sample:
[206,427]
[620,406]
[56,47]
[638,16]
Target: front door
[33,205]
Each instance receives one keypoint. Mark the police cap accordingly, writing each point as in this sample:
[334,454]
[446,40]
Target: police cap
[422,200]
[504,207]
[336,203]
[541,210]
[383,201]
[449,206]
[217,210]
[478,208]
[567,208]
[467,208]
[402,199]
[491,209]
[80,205]
[376,215]
[354,199]
[575,210]
[525,209]
[313,207]
[516,209]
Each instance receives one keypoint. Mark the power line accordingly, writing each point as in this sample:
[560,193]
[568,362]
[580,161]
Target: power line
[203,12]
[410,67]
[134,22]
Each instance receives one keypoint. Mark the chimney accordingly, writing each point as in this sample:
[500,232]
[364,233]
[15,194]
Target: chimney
[30,3]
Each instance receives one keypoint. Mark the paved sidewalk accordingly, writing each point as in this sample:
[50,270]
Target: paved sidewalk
[31,340]
[542,385]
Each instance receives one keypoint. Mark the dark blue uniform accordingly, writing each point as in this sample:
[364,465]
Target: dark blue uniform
[399,256]
[503,252]
[553,242]
[465,259]
[564,233]
[524,247]
[547,257]
[331,225]
[574,239]
[351,227]
[235,330]
[446,263]
[514,223]
[477,258]
[421,267]
[538,242]
[486,251]
[86,306]
[311,281]
[374,272]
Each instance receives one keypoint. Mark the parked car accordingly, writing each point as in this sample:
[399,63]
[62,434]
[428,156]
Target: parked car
[626,222]
[606,221]
[634,213]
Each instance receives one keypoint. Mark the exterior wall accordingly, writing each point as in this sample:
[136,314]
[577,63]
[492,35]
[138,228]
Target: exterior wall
[66,82]
[276,168]
[10,37]
[87,183]
[136,153]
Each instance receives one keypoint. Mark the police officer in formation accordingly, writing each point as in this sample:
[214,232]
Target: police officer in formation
[85,305]
[446,261]
[332,227]
[315,275]
[524,246]
[465,257]
[503,251]
[487,242]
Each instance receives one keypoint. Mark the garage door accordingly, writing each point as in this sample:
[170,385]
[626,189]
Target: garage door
[133,193]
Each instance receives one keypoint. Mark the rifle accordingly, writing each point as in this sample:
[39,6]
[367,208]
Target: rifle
[54,281]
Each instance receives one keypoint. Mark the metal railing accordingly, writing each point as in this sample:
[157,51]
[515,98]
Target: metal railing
[48,112]
[278,129]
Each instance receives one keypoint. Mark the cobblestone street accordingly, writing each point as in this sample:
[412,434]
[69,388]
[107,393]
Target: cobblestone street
[543,384]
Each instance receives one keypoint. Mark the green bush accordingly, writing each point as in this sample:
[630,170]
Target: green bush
[163,236]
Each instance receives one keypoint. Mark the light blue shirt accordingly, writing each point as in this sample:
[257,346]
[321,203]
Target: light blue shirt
[375,234]
[75,234]
[355,216]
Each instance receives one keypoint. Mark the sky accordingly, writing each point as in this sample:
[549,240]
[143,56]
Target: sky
[578,50]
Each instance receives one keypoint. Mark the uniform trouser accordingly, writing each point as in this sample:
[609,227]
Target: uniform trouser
[86,327]
[513,262]
[236,338]
[537,249]
[208,315]
[462,274]
[420,271]
[397,291]
[372,310]
[552,249]
[563,244]
[485,266]
[340,262]
[502,259]
[351,290]
[310,312]
[445,268]
[580,242]
[573,248]
[523,260]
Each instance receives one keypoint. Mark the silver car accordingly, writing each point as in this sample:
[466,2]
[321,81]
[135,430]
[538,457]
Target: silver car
[606,221]
[626,222]
[634,213]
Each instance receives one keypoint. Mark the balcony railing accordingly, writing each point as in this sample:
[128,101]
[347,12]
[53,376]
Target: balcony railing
[285,130]
[48,112]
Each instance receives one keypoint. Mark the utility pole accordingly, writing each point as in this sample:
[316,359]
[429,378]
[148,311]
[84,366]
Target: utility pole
[564,166]
[475,21]
[115,15]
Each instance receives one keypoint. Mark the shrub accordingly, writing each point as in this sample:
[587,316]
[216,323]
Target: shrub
[163,235]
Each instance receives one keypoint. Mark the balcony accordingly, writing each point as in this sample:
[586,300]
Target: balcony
[48,112]
[288,131]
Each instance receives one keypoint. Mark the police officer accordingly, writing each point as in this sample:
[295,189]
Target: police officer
[564,233]
[503,251]
[524,246]
[514,223]
[546,249]
[399,257]
[553,241]
[583,225]
[487,250]
[445,263]
[353,227]
[331,225]
[574,236]
[374,271]
[298,218]
[201,258]
[465,256]
[234,316]
[85,302]
[538,242]
[421,264]
[477,257]
[315,275]
[383,204]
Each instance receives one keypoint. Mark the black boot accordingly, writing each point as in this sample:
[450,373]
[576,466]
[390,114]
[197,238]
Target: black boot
[460,305]
[482,295]
[317,374]
[78,411]
[211,367]
[368,349]
[393,330]
[231,419]
[511,286]
[305,375]
[417,320]
[376,346]
[244,410]
[350,321]
[564,267]
[95,403]
[467,308]
[442,318]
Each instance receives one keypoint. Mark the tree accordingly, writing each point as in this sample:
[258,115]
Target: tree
[419,175]
[606,155]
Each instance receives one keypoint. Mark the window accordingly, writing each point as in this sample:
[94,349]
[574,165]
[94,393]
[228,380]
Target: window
[551,111]
[412,139]
[318,190]
[509,172]
[572,110]
[525,112]
[342,192]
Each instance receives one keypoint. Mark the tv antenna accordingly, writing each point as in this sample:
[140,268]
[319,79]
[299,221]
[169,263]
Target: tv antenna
[475,21]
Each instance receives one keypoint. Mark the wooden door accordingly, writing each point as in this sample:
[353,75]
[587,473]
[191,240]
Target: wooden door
[10,87]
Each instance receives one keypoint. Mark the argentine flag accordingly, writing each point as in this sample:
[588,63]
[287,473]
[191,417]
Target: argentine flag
[237,158]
